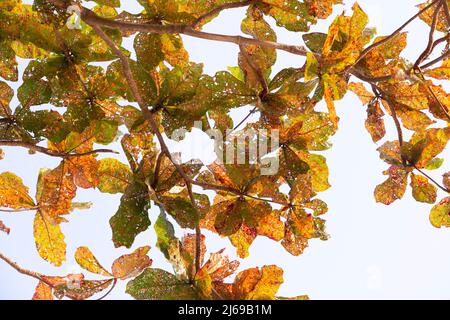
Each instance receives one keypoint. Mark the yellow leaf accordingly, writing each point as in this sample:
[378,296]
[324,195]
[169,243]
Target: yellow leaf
[258,284]
[49,241]
[440,214]
[86,259]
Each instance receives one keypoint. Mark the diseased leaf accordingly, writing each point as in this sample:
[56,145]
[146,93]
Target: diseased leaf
[157,284]
[394,187]
[446,180]
[132,215]
[86,259]
[114,176]
[8,62]
[433,143]
[165,233]
[131,265]
[423,190]
[13,194]
[315,41]
[49,241]
[55,192]
[440,214]
[375,122]
[258,284]
[43,292]
[76,288]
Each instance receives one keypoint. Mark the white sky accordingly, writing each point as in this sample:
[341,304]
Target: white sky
[375,252]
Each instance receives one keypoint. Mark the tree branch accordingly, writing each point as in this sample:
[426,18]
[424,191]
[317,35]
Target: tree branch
[429,49]
[49,152]
[26,272]
[91,18]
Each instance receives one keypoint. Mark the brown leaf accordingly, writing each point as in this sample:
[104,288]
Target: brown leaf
[131,265]
[43,292]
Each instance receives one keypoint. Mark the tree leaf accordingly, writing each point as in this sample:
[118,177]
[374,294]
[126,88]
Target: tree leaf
[49,241]
[440,214]
[115,176]
[258,284]
[4,228]
[394,187]
[157,284]
[86,259]
[131,265]
[13,193]
[165,233]
[423,190]
[132,215]
[76,288]
[43,292]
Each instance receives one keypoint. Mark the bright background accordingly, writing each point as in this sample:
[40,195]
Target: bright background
[375,252]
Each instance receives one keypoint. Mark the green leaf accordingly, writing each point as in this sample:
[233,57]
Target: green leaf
[132,216]
[152,49]
[165,233]
[292,14]
[315,41]
[119,84]
[106,131]
[157,284]
[435,164]
[182,210]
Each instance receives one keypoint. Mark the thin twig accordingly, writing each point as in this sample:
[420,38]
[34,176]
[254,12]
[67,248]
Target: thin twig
[446,12]
[19,210]
[429,49]
[366,51]
[52,153]
[245,119]
[431,179]
[398,126]
[110,289]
